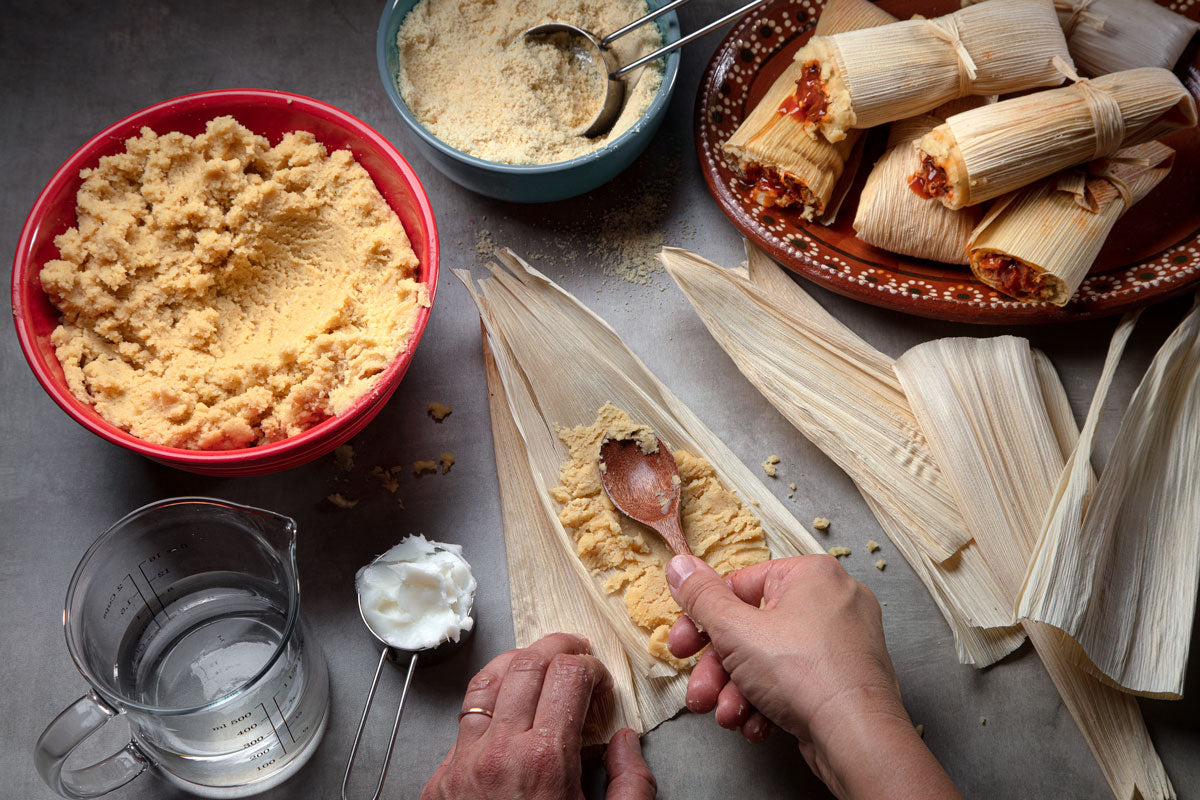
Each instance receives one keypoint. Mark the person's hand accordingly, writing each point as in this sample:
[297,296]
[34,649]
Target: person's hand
[799,643]
[530,745]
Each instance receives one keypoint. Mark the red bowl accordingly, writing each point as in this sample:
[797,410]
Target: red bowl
[270,114]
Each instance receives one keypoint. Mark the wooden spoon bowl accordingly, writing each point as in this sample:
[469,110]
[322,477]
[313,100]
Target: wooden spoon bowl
[645,487]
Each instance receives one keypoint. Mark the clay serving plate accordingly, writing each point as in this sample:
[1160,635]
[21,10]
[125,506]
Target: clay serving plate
[1152,254]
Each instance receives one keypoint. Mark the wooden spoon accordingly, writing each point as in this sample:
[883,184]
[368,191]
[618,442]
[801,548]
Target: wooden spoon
[645,487]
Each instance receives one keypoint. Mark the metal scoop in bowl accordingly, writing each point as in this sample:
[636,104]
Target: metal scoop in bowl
[426,655]
[594,52]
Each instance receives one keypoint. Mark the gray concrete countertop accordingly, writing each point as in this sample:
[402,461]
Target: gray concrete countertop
[72,68]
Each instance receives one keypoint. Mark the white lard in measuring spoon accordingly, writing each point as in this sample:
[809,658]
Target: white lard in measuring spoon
[418,594]
[416,599]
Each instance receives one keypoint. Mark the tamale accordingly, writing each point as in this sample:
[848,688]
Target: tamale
[984,406]
[1039,243]
[1112,35]
[1117,568]
[841,393]
[996,149]
[863,78]
[533,329]
[891,217]
[789,169]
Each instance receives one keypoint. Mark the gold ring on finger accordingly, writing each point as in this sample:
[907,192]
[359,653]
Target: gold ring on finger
[483,711]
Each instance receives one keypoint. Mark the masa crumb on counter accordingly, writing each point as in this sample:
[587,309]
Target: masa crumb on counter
[472,81]
[630,559]
[217,292]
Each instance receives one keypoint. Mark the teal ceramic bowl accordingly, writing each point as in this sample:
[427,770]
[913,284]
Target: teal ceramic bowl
[518,183]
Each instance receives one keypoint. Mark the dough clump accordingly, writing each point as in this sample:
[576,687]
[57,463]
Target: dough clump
[219,293]
[632,559]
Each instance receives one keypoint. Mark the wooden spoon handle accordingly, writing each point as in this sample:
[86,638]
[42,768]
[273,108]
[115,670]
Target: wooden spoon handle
[672,533]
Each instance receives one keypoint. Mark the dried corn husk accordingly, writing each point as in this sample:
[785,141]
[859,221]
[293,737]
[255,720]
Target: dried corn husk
[775,142]
[1110,721]
[984,406]
[879,75]
[891,217]
[1051,232]
[1120,578]
[1111,35]
[995,149]
[537,596]
[534,330]
[841,393]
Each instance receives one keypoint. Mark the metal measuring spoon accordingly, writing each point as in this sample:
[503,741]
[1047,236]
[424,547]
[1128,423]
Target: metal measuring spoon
[595,52]
[427,655]
[645,487]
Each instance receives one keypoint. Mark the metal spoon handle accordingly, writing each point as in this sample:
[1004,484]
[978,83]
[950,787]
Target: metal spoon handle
[637,23]
[387,758]
[691,37]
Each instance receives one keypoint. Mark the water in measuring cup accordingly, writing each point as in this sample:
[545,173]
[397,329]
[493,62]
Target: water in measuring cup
[210,638]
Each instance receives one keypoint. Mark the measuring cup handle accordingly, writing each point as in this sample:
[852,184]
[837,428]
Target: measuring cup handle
[70,729]
[387,756]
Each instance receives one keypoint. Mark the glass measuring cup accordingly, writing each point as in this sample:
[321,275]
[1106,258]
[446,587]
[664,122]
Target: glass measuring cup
[185,617]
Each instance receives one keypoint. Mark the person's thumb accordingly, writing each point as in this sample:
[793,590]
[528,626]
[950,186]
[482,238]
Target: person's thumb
[628,776]
[703,596]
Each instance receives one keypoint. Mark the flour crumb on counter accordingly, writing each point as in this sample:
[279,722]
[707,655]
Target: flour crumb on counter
[839,552]
[485,245]
[821,523]
[446,460]
[880,565]
[341,501]
[424,468]
[343,457]
[439,411]
[872,545]
[387,478]
[768,465]
[983,720]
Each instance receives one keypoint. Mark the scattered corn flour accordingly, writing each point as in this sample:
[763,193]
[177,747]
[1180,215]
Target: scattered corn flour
[473,81]
[219,293]
[630,558]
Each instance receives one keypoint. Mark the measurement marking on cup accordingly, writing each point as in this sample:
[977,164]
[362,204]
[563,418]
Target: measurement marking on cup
[278,738]
[284,718]
[150,583]
[146,604]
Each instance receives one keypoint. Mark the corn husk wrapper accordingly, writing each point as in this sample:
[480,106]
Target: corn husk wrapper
[1110,721]
[1055,228]
[890,216]
[777,141]
[538,605]
[842,394]
[533,329]
[984,405]
[1112,35]
[1117,568]
[879,75]
[996,149]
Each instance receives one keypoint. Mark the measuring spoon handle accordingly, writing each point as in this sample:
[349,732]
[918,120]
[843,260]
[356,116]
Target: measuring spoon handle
[387,757]
[691,37]
[637,23]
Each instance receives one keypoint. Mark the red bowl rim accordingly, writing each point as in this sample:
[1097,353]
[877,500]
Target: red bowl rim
[325,430]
